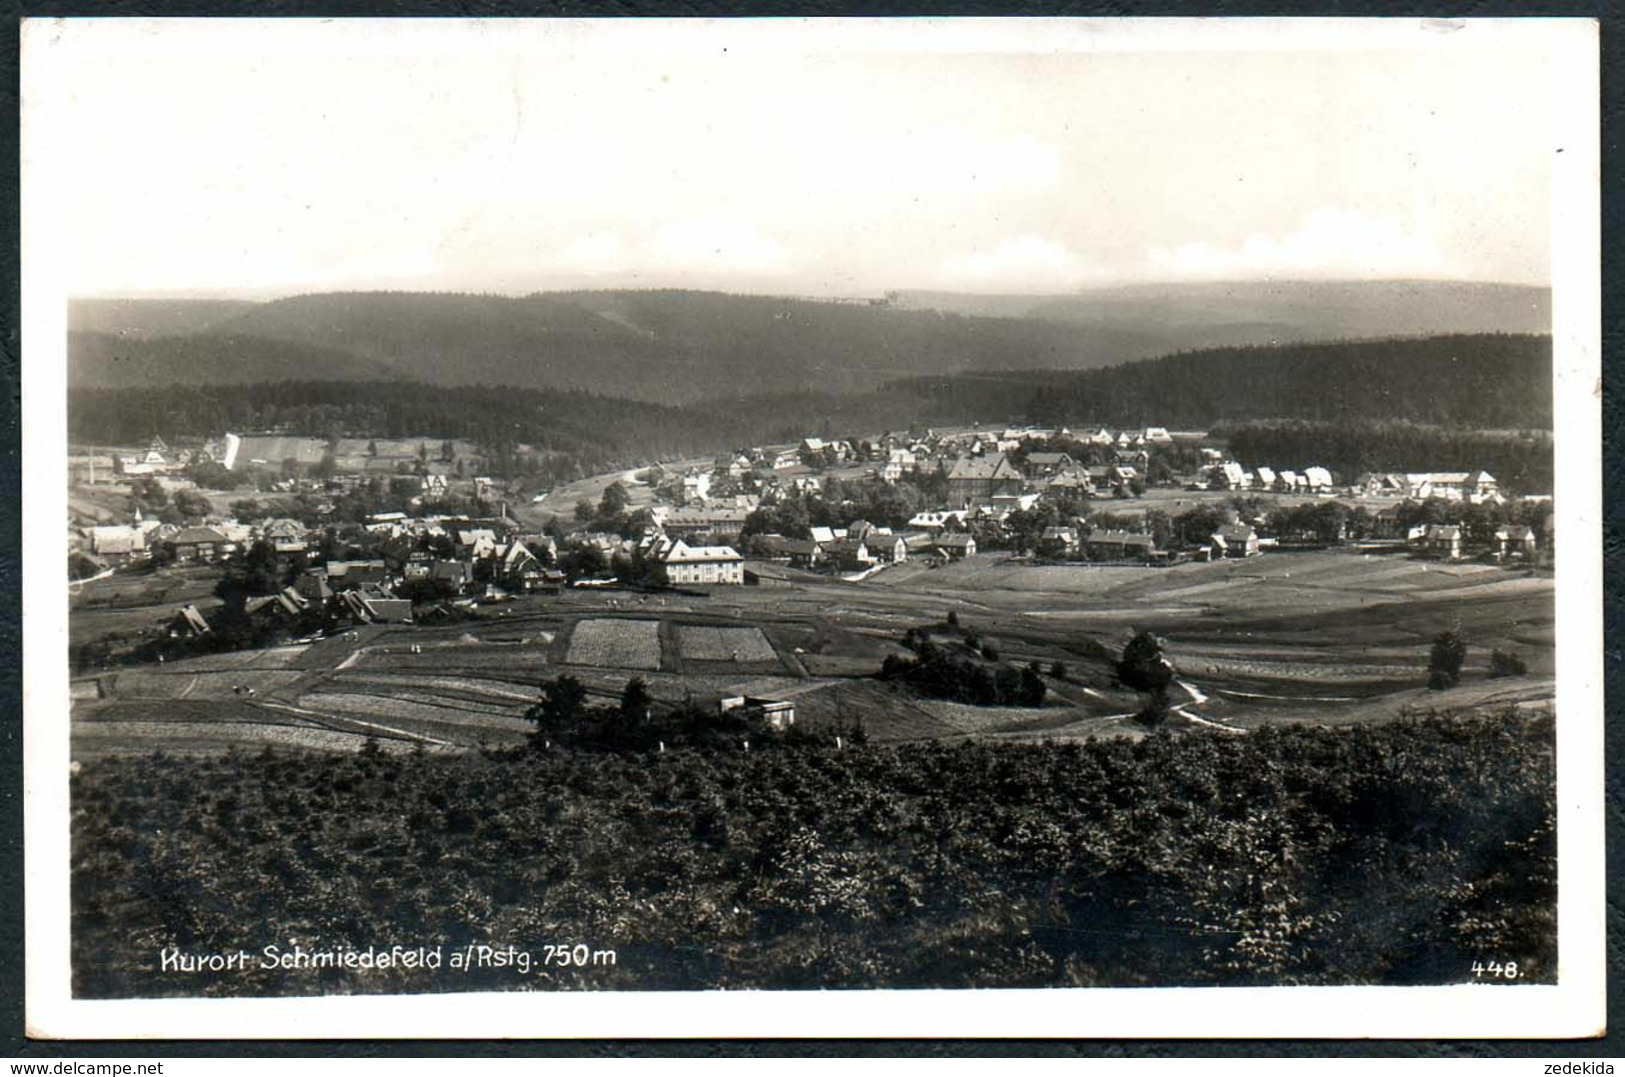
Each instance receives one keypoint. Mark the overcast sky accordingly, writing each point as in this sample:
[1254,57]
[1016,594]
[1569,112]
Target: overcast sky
[267,159]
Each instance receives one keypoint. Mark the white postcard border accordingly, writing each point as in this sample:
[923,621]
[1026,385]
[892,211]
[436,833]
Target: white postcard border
[1573,1008]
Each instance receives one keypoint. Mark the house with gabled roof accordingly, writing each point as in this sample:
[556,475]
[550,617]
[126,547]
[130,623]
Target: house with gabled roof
[312,584]
[954,546]
[1071,483]
[720,523]
[801,553]
[1059,541]
[1438,540]
[1235,540]
[974,480]
[1048,463]
[1317,478]
[886,546]
[192,544]
[1110,545]
[285,535]
[117,543]
[285,605]
[849,554]
[1515,541]
[188,623]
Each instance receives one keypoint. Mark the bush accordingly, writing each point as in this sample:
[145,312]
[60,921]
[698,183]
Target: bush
[1507,664]
[1445,660]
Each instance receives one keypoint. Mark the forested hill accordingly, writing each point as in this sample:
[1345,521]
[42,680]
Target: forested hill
[1488,381]
[117,361]
[568,434]
[684,346]
[662,346]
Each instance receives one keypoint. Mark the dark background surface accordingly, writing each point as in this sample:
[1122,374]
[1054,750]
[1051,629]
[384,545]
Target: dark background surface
[1612,16]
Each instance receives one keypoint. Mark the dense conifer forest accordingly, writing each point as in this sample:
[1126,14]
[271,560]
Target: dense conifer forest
[1388,854]
[1338,393]
[1488,381]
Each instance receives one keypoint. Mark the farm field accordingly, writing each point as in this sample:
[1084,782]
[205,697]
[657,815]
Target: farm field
[725,644]
[615,644]
[1336,637]
[129,607]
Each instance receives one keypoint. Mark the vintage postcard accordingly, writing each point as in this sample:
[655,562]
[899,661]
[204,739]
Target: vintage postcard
[779,527]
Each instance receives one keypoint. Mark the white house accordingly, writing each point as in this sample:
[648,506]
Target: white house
[685,564]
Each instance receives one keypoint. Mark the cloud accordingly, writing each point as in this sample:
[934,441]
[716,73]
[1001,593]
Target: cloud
[1019,263]
[1331,242]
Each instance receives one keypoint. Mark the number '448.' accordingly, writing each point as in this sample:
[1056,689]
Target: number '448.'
[1495,970]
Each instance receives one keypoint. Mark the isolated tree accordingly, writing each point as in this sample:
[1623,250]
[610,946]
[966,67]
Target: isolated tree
[149,491]
[583,511]
[191,503]
[1445,660]
[210,475]
[614,501]
[1145,668]
[562,701]
[635,701]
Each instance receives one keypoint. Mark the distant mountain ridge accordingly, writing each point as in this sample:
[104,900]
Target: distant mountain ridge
[671,346]
[1182,317]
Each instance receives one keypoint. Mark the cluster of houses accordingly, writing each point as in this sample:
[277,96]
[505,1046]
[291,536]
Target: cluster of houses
[1474,487]
[1077,542]
[1229,475]
[100,548]
[157,460]
[1513,542]
[970,458]
[417,558]
[862,546]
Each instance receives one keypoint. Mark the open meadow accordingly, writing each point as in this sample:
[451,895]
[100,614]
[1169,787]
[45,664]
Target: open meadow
[1333,637]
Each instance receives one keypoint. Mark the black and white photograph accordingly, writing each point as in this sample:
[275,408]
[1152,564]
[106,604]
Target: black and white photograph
[886,526]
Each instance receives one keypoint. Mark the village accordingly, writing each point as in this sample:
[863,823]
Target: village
[335,536]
